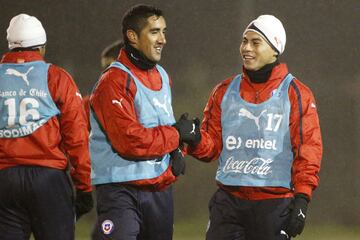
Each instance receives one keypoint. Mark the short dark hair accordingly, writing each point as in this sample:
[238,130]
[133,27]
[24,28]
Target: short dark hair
[32,48]
[136,18]
[112,51]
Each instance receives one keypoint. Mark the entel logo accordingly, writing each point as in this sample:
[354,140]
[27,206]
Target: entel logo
[232,143]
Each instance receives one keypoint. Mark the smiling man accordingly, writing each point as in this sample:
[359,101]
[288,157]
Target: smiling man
[134,142]
[262,126]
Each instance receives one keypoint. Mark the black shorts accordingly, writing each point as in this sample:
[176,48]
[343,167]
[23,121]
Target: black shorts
[232,218]
[36,200]
[127,213]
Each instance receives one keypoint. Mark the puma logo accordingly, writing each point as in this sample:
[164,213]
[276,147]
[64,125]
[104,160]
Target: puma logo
[245,113]
[155,162]
[157,103]
[282,232]
[301,214]
[78,94]
[118,102]
[193,129]
[179,150]
[11,71]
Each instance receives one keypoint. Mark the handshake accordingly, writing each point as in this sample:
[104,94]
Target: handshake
[189,130]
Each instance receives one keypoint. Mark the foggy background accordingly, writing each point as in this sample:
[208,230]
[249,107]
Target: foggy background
[203,38]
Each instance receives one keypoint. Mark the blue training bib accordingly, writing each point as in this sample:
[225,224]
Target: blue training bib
[153,108]
[25,101]
[257,150]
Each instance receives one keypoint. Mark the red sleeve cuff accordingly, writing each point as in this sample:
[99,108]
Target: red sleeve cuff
[307,190]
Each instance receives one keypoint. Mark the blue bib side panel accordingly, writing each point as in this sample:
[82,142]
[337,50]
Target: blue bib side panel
[257,150]
[153,108]
[25,100]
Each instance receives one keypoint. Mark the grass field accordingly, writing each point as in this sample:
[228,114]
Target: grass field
[194,229]
[188,231]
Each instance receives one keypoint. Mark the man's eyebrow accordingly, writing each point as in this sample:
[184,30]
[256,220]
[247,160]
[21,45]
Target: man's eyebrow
[156,29]
[256,39]
[253,39]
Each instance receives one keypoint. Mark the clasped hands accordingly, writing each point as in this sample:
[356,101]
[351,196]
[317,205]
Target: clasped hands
[189,131]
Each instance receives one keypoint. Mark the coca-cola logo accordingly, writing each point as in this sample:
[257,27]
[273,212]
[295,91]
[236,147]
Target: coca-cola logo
[255,166]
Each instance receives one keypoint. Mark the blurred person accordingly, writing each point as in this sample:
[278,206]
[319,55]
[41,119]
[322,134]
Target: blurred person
[262,126]
[42,132]
[108,55]
[135,140]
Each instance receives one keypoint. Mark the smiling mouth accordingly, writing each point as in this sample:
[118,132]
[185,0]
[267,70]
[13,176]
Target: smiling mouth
[158,49]
[247,58]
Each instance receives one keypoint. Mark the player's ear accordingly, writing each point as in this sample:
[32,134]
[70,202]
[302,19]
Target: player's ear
[132,36]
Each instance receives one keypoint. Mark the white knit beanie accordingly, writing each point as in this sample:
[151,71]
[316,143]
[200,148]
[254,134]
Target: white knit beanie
[271,29]
[25,31]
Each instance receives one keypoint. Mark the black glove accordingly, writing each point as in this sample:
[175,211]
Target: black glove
[177,162]
[189,130]
[83,203]
[298,208]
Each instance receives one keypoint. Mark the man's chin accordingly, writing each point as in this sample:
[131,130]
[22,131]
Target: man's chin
[251,67]
[156,59]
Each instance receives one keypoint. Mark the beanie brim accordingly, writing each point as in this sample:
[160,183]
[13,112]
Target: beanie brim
[253,28]
[28,43]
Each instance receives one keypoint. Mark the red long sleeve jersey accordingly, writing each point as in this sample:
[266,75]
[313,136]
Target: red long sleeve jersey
[63,138]
[126,134]
[304,132]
